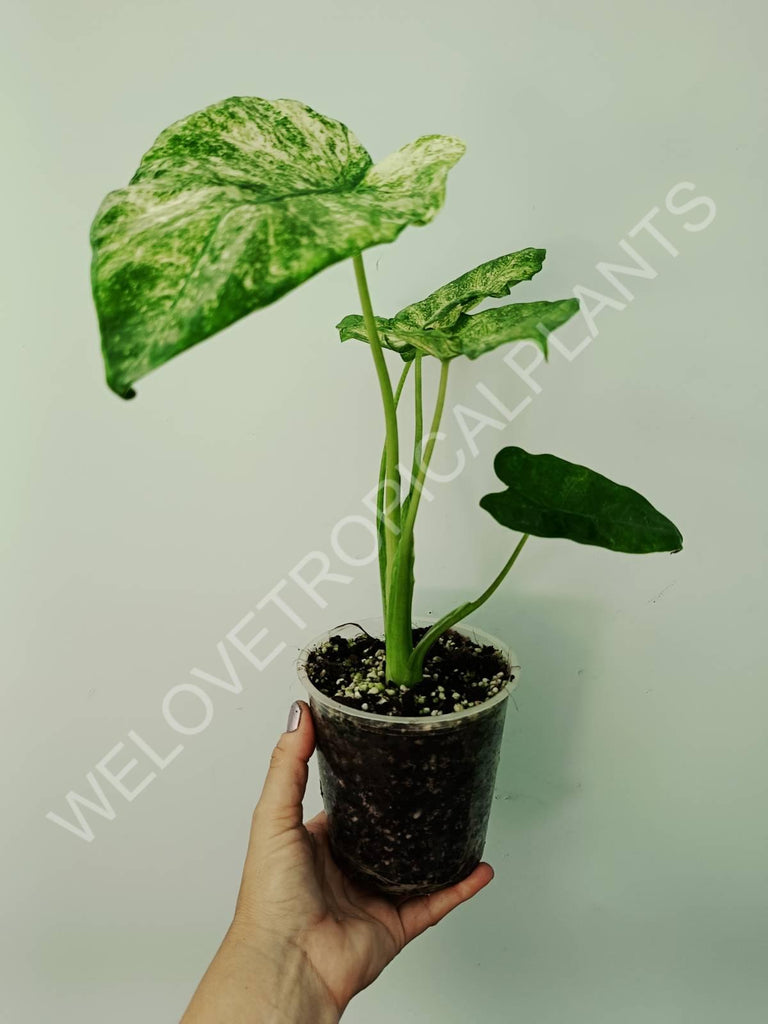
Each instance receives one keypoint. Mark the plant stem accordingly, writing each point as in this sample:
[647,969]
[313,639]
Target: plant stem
[391,444]
[399,634]
[418,428]
[380,503]
[442,625]
[421,462]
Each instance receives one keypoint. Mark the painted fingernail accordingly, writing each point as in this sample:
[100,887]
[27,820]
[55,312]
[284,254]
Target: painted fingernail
[294,717]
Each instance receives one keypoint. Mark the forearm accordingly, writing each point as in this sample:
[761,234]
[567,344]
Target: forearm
[259,983]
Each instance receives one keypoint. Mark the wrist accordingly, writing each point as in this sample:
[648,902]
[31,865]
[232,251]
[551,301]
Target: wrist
[281,984]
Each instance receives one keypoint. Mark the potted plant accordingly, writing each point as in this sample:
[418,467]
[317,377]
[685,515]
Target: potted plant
[233,207]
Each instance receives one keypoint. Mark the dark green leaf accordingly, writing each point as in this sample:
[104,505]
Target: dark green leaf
[233,207]
[549,497]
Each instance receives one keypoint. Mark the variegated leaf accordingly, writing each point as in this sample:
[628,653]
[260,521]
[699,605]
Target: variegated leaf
[493,279]
[407,341]
[233,207]
[473,334]
[520,321]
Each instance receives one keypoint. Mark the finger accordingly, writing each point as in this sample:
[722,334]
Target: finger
[286,781]
[317,825]
[421,912]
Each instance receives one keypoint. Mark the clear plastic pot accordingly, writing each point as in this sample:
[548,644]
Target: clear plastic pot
[407,799]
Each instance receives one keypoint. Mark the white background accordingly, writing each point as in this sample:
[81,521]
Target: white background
[629,831]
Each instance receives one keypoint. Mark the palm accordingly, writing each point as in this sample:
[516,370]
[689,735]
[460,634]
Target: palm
[351,935]
[348,934]
[294,895]
[305,938]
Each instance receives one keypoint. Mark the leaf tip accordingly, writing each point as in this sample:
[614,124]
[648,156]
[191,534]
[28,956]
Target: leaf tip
[124,391]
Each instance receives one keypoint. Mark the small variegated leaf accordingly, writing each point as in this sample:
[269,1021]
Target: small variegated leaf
[521,321]
[473,334]
[549,497]
[233,207]
[491,280]
[401,338]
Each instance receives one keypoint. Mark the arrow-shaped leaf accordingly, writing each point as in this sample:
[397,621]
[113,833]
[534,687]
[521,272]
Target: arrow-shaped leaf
[519,321]
[440,325]
[233,207]
[493,279]
[472,335]
[399,337]
[549,497]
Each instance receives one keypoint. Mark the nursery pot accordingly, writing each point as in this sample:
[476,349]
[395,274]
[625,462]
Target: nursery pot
[407,799]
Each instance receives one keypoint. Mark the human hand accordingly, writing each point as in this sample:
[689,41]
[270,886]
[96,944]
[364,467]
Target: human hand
[305,939]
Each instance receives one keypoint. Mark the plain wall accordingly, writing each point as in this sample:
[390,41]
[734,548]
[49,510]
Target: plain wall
[629,829]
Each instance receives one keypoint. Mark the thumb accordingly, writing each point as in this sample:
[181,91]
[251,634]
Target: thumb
[280,803]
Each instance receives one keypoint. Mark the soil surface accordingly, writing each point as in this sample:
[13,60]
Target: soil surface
[458,674]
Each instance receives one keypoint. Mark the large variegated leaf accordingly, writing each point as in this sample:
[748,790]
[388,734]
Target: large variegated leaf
[549,497]
[493,279]
[233,207]
[472,334]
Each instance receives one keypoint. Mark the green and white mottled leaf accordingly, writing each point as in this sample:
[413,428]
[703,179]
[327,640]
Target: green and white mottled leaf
[473,334]
[549,497]
[407,341]
[519,321]
[233,207]
[440,325]
[491,280]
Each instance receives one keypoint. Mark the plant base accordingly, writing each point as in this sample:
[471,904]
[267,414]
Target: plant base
[407,798]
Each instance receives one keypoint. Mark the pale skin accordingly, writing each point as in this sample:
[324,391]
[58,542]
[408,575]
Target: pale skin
[304,939]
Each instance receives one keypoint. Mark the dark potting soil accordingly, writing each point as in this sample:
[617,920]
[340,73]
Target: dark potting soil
[407,805]
[458,674]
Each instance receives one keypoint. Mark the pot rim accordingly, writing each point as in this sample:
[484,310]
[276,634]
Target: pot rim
[375,626]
